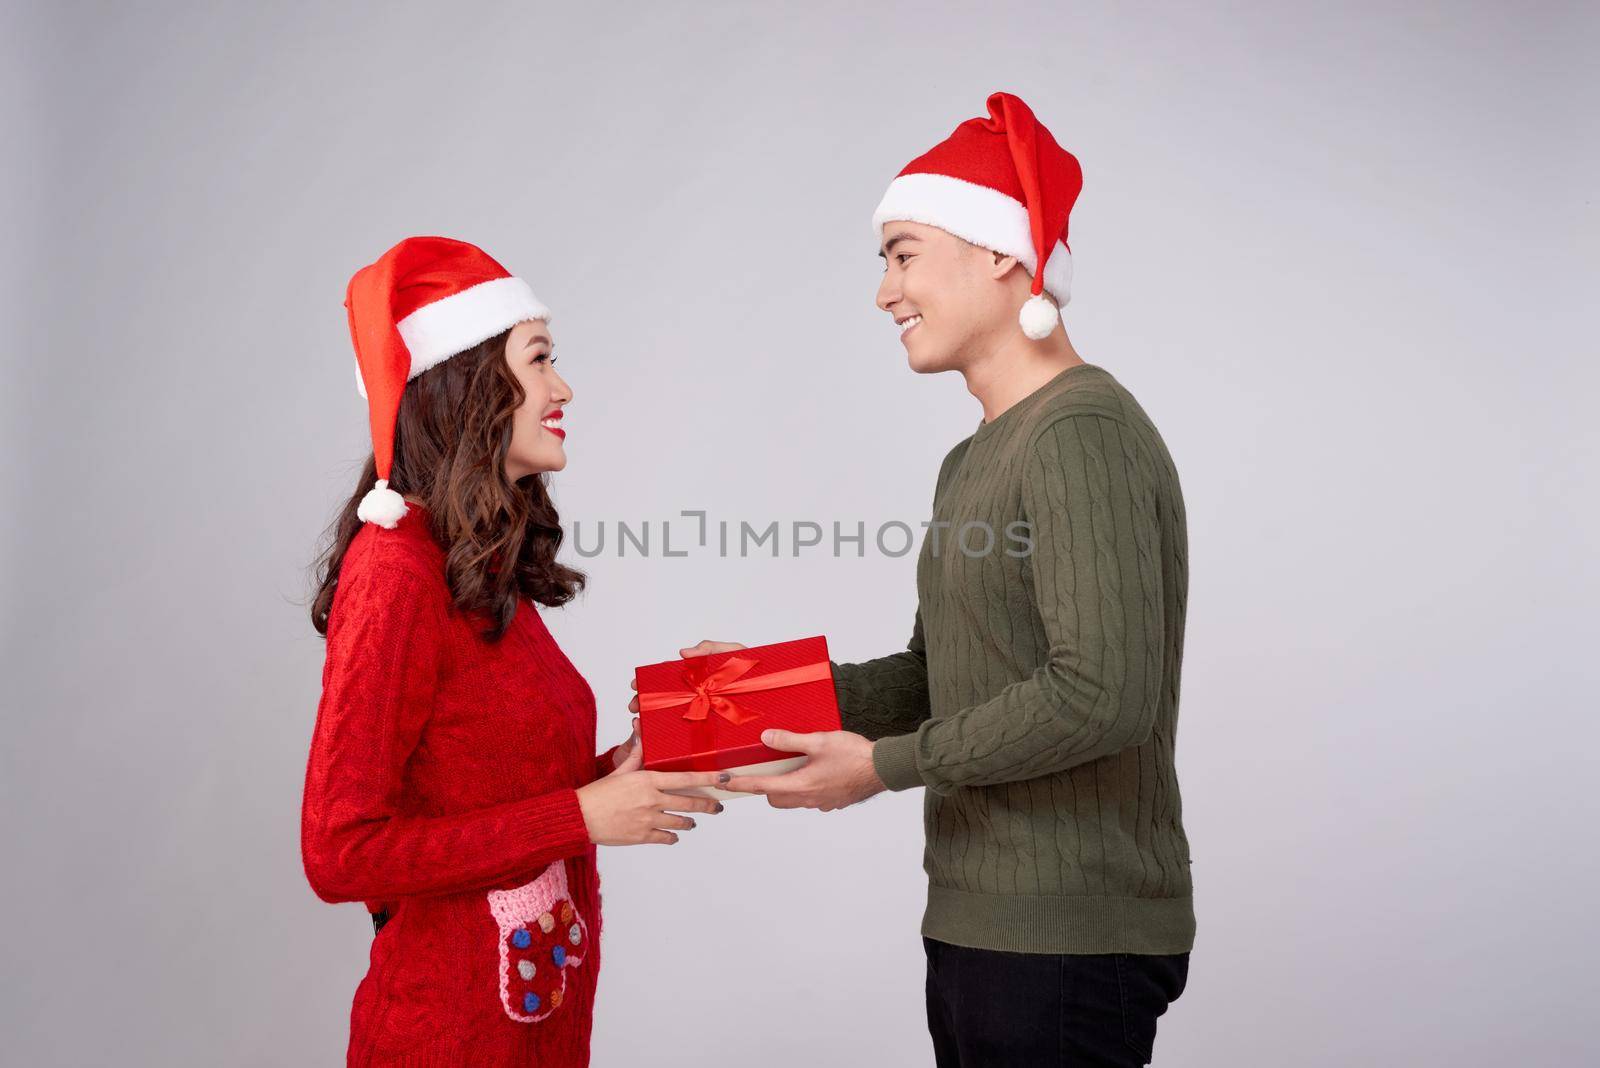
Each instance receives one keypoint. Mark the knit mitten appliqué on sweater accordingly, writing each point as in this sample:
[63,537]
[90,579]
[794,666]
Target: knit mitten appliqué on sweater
[541,936]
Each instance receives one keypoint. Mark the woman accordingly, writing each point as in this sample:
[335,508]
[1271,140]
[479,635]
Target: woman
[452,783]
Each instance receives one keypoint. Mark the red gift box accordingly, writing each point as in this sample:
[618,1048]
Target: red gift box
[706,713]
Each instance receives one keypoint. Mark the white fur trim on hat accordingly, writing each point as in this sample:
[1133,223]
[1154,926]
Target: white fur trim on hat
[975,213]
[435,332]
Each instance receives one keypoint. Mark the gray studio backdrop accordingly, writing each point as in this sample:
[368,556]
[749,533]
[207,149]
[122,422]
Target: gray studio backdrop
[1334,250]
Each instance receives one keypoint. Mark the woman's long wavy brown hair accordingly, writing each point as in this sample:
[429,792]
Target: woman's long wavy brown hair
[450,448]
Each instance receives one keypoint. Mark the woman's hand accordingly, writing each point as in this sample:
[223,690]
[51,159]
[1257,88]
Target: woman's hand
[620,754]
[629,806]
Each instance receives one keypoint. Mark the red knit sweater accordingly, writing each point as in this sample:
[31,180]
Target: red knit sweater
[442,787]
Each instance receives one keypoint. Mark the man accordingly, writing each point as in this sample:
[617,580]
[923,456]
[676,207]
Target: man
[1037,700]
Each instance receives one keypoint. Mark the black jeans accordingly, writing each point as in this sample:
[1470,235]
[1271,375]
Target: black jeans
[988,1009]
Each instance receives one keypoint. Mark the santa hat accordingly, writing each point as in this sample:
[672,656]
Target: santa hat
[1004,184]
[424,301]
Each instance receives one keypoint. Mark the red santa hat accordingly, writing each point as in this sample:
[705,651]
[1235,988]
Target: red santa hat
[1003,183]
[424,301]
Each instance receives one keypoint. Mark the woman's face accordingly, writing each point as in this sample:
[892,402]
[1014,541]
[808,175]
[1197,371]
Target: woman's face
[536,434]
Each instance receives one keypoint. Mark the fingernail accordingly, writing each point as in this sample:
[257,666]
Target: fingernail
[691,826]
[718,808]
[724,777]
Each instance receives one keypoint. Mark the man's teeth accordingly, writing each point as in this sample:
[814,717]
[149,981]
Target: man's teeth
[909,323]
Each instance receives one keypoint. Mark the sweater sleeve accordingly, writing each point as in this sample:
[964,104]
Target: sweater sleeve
[605,763]
[888,695]
[383,657]
[1089,495]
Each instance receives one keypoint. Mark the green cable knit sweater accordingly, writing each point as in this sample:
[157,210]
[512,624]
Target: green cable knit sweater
[1038,698]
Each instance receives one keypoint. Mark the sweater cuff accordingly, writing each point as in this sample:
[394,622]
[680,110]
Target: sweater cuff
[605,763]
[550,826]
[841,697]
[895,761]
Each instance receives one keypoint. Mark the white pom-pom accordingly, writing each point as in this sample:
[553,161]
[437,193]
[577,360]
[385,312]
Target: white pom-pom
[382,506]
[1039,317]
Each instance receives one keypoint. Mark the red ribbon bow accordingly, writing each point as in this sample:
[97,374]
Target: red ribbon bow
[708,690]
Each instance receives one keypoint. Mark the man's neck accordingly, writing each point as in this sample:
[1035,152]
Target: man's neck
[1015,367]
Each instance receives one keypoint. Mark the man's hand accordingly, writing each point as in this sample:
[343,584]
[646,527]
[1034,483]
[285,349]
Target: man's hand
[838,772]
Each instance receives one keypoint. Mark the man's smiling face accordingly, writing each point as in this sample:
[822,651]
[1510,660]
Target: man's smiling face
[944,293]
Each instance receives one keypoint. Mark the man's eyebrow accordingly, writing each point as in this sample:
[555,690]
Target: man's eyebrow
[883,253]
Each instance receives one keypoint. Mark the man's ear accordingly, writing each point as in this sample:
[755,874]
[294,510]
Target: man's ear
[1003,265]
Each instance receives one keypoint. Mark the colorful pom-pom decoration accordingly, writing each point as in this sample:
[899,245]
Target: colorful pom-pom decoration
[521,938]
[525,969]
[559,955]
[530,1003]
